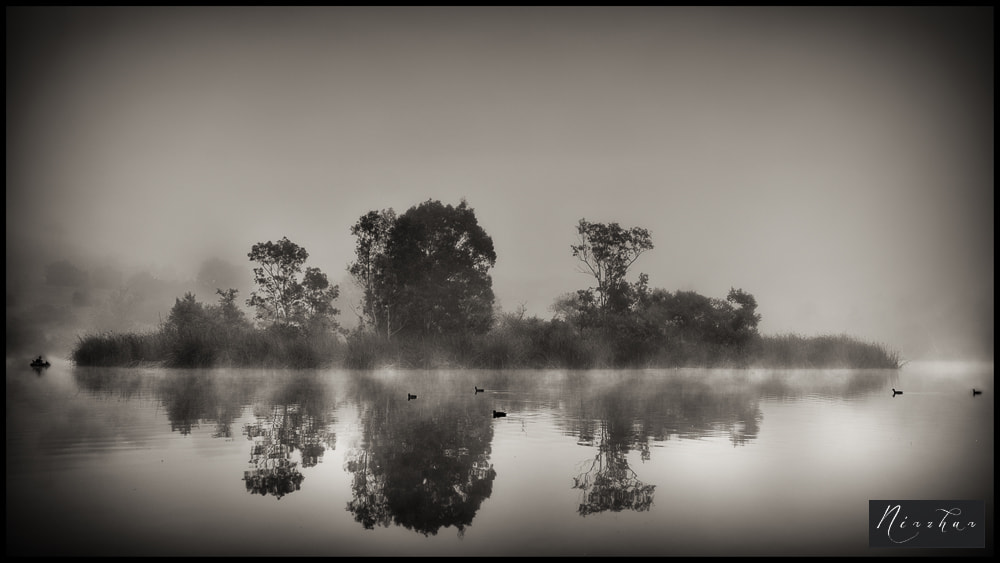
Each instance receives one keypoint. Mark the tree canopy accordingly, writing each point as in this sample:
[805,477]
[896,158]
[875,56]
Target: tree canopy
[425,271]
[607,250]
[282,297]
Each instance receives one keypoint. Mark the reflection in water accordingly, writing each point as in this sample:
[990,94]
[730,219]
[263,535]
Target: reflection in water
[297,419]
[121,383]
[292,411]
[609,484]
[724,407]
[110,450]
[271,468]
[841,384]
[423,465]
[190,397]
[196,396]
[627,414]
[651,407]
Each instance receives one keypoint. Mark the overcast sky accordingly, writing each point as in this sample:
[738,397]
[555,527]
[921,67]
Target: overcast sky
[835,163]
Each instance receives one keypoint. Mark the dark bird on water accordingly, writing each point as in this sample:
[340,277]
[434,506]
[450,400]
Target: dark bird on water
[478,390]
[974,392]
[410,396]
[497,414]
[894,392]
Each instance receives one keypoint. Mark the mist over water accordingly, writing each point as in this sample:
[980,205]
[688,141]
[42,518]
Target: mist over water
[602,462]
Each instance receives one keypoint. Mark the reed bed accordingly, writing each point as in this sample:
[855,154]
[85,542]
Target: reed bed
[529,344]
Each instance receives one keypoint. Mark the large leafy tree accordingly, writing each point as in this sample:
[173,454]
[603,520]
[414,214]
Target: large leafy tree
[425,271]
[607,250]
[282,298]
[440,258]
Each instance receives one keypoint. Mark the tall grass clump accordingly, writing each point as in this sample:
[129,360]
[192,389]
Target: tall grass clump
[827,351]
[278,347]
[118,349]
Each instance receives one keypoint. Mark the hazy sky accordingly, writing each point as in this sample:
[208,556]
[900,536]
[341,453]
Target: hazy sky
[836,163]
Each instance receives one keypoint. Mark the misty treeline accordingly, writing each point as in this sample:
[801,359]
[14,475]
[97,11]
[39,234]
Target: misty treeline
[427,301]
[50,305]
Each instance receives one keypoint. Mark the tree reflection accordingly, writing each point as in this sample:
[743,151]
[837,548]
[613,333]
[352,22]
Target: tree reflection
[609,483]
[293,413]
[619,412]
[624,416]
[193,397]
[297,419]
[272,470]
[423,465]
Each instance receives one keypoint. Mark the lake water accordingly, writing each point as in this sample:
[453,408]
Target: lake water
[152,462]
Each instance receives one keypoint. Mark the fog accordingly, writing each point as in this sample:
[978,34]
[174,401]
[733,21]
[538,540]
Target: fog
[837,163]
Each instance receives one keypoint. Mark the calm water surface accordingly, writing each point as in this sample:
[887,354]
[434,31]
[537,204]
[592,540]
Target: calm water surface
[150,462]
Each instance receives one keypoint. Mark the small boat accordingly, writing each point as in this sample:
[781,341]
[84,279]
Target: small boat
[478,390]
[410,396]
[974,392]
[498,414]
[39,363]
[894,392]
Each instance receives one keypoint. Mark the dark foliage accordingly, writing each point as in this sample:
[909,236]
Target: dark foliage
[425,272]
